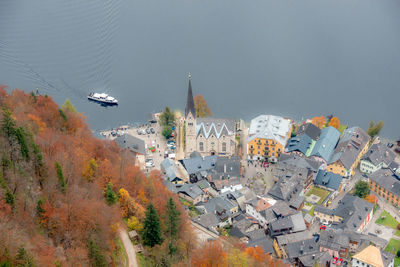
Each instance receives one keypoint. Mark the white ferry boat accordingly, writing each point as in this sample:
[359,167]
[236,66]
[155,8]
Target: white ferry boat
[103,98]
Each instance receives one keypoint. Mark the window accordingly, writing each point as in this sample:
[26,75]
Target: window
[201,145]
[190,123]
[223,147]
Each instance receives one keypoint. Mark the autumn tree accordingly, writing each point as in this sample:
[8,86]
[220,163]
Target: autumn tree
[334,122]
[202,109]
[90,169]
[68,106]
[374,128]
[318,121]
[151,234]
[167,131]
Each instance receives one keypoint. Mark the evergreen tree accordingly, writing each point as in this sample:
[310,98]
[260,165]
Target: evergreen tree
[110,195]
[361,189]
[151,233]
[60,177]
[96,257]
[21,138]
[173,220]
[23,258]
[8,123]
[374,128]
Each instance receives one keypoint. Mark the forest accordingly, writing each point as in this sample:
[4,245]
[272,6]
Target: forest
[64,194]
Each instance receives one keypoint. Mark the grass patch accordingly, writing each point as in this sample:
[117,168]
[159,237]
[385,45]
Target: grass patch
[387,220]
[322,193]
[396,261]
[397,233]
[341,128]
[311,212]
[393,246]
[141,260]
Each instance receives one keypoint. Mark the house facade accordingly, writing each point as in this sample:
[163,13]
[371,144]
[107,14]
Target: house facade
[385,183]
[268,136]
[377,157]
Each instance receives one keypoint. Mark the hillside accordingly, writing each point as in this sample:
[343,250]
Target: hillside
[64,194]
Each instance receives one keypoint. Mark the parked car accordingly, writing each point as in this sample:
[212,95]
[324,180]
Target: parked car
[339,262]
[322,227]
[139,132]
[334,260]
[149,163]
[390,145]
[147,130]
[152,130]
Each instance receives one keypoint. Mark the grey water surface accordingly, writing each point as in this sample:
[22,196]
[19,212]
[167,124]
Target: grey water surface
[297,58]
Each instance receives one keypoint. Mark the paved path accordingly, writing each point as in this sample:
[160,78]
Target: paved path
[129,249]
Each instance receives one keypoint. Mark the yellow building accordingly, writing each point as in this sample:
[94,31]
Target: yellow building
[267,137]
[349,151]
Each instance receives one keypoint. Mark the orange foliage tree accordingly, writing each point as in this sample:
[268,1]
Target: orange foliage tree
[202,109]
[334,122]
[319,121]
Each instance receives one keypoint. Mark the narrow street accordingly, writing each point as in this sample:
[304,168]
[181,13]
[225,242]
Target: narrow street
[129,249]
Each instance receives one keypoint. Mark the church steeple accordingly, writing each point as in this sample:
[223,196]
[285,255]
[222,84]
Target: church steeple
[190,103]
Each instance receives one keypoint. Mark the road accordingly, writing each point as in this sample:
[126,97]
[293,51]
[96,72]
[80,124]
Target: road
[129,249]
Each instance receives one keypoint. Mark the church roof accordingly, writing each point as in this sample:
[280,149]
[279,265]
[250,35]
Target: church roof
[190,102]
[214,126]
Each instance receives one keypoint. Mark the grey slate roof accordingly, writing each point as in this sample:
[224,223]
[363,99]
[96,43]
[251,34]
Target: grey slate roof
[218,202]
[296,202]
[290,181]
[292,238]
[300,143]
[309,129]
[326,143]
[379,153]
[208,220]
[322,258]
[350,145]
[328,179]
[131,142]
[387,179]
[225,167]
[192,190]
[334,239]
[281,224]
[170,186]
[298,222]
[214,126]
[352,209]
[197,164]
[302,162]
[264,243]
[190,103]
[302,248]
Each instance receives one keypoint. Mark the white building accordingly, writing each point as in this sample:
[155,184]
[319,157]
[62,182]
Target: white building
[377,157]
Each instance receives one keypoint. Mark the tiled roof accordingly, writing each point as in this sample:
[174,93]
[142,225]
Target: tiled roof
[387,179]
[328,179]
[191,190]
[326,143]
[270,127]
[379,153]
[131,142]
[350,145]
[198,164]
[300,143]
[302,248]
[309,129]
[215,126]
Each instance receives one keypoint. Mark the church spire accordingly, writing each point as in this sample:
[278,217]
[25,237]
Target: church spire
[190,103]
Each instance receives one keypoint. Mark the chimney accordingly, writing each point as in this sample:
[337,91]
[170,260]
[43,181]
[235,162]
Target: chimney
[191,188]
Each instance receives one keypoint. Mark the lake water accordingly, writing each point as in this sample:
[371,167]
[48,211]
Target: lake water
[297,58]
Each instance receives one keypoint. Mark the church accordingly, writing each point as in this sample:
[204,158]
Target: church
[208,136]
